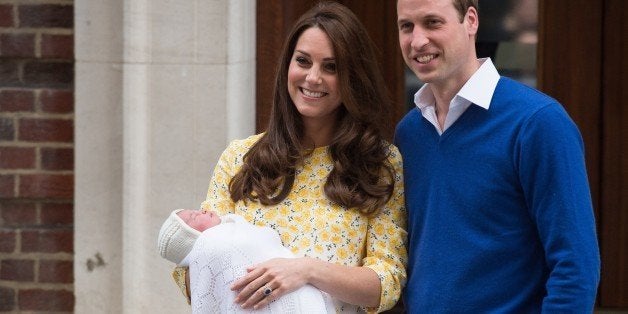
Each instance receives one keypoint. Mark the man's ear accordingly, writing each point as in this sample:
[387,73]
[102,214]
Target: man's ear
[472,21]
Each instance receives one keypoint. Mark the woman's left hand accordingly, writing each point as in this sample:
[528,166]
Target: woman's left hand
[270,280]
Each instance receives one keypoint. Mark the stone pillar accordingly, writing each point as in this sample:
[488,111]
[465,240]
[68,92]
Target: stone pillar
[161,88]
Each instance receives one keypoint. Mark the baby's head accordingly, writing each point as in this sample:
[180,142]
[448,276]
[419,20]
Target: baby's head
[199,219]
[181,229]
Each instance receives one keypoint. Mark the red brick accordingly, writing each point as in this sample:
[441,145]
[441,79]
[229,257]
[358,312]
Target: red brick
[17,157]
[17,45]
[7,241]
[18,214]
[57,46]
[13,100]
[7,130]
[49,73]
[56,271]
[57,158]
[17,270]
[46,15]
[9,72]
[46,186]
[46,130]
[7,186]
[7,299]
[46,300]
[6,15]
[47,241]
[57,101]
[57,214]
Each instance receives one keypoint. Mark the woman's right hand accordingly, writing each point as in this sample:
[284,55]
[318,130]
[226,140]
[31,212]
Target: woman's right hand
[281,275]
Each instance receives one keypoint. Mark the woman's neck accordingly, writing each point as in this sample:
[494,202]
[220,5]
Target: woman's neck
[318,135]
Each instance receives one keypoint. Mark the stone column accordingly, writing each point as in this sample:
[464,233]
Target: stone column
[161,88]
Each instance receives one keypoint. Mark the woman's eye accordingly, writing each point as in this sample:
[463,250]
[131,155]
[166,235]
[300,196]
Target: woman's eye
[330,67]
[301,60]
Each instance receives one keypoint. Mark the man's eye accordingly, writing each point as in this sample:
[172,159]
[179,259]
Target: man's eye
[405,27]
[432,23]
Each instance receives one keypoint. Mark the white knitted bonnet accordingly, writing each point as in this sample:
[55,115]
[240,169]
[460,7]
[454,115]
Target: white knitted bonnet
[176,238]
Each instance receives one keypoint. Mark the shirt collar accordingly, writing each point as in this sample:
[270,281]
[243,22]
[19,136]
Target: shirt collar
[478,89]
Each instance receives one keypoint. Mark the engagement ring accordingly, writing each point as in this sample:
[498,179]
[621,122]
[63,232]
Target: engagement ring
[267,291]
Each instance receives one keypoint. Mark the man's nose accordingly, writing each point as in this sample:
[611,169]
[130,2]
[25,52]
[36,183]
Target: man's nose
[419,38]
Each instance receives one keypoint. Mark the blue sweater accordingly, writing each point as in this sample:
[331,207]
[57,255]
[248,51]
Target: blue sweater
[499,210]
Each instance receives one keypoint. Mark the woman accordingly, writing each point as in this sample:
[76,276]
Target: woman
[321,175]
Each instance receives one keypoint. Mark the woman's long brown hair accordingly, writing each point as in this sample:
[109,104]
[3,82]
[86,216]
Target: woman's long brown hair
[362,177]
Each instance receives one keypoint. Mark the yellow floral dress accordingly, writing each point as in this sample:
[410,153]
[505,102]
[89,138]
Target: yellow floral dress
[311,225]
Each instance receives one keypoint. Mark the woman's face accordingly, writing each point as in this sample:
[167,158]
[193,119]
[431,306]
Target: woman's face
[312,78]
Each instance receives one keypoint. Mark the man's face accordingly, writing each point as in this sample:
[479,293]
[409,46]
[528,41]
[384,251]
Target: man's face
[435,44]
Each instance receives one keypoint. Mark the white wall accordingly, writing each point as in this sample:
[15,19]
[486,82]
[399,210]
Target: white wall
[161,88]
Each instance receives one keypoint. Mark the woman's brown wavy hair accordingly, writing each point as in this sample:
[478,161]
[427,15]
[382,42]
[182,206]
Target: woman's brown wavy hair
[362,177]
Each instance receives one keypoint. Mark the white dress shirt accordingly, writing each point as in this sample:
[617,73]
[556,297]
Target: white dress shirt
[477,90]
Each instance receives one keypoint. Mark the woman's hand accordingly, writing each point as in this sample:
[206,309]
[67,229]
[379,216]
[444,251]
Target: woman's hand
[280,275]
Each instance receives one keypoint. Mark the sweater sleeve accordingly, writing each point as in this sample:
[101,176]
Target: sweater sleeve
[386,242]
[553,176]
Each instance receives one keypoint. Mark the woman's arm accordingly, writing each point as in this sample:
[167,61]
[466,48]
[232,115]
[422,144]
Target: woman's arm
[187,283]
[351,284]
[386,241]
[181,277]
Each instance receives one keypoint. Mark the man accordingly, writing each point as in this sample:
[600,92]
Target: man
[499,209]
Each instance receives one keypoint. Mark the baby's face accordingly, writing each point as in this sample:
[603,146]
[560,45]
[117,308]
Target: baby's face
[198,219]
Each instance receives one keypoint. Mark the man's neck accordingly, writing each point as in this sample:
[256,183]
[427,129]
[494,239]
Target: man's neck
[446,90]
[443,97]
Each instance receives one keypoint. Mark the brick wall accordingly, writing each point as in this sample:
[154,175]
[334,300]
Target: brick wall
[36,155]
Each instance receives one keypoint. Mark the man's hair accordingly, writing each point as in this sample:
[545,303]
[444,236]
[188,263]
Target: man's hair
[463,5]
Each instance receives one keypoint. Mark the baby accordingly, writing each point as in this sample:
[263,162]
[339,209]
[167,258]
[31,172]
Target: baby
[217,251]
[180,231]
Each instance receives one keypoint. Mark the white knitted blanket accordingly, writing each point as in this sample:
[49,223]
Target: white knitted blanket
[220,256]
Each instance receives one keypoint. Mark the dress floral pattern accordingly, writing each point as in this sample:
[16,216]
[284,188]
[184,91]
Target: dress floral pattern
[311,225]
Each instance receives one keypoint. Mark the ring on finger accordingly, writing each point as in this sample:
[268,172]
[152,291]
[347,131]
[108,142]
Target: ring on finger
[267,291]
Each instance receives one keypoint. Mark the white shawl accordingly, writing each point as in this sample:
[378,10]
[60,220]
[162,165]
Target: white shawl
[220,257]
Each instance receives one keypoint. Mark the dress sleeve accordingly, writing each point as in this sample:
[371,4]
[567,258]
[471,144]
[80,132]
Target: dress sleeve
[178,274]
[218,197]
[386,242]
